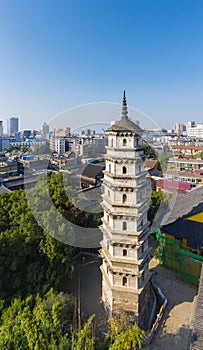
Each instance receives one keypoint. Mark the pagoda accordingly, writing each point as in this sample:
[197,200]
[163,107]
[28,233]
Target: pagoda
[124,249]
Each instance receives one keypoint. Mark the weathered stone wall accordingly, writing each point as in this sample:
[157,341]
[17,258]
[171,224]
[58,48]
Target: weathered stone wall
[144,298]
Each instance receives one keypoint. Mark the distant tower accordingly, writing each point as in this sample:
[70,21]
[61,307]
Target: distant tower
[125,251]
[45,129]
[1,128]
[12,125]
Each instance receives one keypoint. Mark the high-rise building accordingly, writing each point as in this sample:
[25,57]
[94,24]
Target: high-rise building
[12,125]
[178,128]
[125,251]
[45,129]
[195,131]
[189,125]
[59,144]
[1,128]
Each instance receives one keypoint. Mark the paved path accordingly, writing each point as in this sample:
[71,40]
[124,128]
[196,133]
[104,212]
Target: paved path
[174,330]
[87,282]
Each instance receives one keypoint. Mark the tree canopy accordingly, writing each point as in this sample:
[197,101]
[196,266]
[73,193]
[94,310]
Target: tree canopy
[148,150]
[37,323]
[34,313]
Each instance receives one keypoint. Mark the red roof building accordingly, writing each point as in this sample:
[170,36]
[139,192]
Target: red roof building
[167,185]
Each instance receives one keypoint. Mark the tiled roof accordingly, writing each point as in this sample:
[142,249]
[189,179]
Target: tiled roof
[91,170]
[197,148]
[89,197]
[173,185]
[126,125]
[190,230]
[182,203]
[150,163]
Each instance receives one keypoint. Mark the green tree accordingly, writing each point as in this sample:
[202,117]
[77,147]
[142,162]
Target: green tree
[163,159]
[123,335]
[24,149]
[148,150]
[158,198]
[37,323]
[85,339]
[11,148]
[31,261]
[129,339]
[154,203]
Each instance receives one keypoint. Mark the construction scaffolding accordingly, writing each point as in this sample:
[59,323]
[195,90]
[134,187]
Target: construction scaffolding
[186,264]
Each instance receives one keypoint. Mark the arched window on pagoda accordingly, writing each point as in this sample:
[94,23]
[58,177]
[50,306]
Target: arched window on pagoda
[124,198]
[124,252]
[124,282]
[124,225]
[124,170]
[124,142]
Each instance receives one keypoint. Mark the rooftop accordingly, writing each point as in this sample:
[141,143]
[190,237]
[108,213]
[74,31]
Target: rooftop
[183,203]
[125,124]
[186,228]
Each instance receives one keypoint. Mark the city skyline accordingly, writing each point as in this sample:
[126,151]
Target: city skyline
[58,56]
[59,123]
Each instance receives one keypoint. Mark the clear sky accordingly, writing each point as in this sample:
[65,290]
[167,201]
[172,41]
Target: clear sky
[59,54]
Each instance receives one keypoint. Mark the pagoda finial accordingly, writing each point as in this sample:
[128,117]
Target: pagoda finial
[124,98]
[124,107]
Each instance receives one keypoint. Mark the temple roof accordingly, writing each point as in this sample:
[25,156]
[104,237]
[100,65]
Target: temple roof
[125,124]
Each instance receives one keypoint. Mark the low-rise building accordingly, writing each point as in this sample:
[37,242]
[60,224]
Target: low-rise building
[185,170]
[186,150]
[170,186]
[93,147]
[59,144]
[195,131]
[8,167]
[181,235]
[91,175]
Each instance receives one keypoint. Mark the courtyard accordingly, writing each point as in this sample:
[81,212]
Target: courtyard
[174,330]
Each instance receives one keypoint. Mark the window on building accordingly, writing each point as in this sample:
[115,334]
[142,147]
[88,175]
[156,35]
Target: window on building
[124,198]
[107,218]
[111,142]
[124,281]
[108,193]
[110,168]
[124,225]
[124,252]
[124,170]
[124,142]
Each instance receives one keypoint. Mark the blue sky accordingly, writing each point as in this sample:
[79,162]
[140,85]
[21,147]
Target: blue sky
[59,54]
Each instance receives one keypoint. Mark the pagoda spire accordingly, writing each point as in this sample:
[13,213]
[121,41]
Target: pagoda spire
[124,108]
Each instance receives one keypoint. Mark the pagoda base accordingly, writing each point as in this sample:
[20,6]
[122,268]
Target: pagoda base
[115,300]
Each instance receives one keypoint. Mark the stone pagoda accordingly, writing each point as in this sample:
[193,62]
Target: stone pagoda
[124,248]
